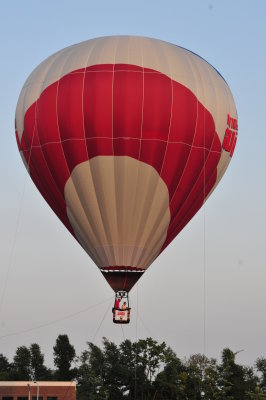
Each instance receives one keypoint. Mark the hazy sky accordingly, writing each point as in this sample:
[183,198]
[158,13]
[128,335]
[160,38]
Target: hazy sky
[48,276]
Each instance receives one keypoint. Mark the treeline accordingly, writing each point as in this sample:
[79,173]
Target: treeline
[142,370]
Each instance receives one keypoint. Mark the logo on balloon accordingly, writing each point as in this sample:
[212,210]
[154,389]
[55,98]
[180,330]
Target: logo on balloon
[230,136]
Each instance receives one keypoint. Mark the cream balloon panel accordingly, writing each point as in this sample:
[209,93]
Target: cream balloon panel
[119,210]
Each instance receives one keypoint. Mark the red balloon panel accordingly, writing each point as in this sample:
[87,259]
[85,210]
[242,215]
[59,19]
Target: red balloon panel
[123,110]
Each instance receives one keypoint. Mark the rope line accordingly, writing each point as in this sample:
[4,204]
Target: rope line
[145,327]
[17,225]
[125,282]
[123,334]
[141,320]
[99,326]
[55,321]
[11,255]
[38,146]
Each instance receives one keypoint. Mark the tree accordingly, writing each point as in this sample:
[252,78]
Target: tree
[127,371]
[21,369]
[100,373]
[170,383]
[64,355]
[133,374]
[38,370]
[202,378]
[261,367]
[113,370]
[5,368]
[91,374]
[145,370]
[150,356]
[236,382]
[257,395]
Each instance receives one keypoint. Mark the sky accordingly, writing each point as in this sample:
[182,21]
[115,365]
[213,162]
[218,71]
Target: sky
[48,284]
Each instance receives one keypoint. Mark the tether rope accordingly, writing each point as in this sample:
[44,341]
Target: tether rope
[123,334]
[141,320]
[56,320]
[145,326]
[11,255]
[10,259]
[103,318]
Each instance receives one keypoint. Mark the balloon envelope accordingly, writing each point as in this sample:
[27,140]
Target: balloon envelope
[125,138]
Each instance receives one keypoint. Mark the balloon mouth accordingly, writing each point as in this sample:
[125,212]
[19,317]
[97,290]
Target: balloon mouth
[122,268]
[122,277]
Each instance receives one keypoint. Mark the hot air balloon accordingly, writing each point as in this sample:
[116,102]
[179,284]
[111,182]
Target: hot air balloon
[125,137]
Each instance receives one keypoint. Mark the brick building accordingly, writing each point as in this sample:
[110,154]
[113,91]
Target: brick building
[26,390]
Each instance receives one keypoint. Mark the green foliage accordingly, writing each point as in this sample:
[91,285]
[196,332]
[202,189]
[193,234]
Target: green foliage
[143,370]
[113,370]
[150,356]
[261,367]
[28,364]
[64,355]
[39,372]
[202,378]
[91,374]
[5,368]
[258,394]
[21,368]
[171,382]
[236,381]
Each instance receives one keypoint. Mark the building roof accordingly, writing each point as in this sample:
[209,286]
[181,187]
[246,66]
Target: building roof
[40,383]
